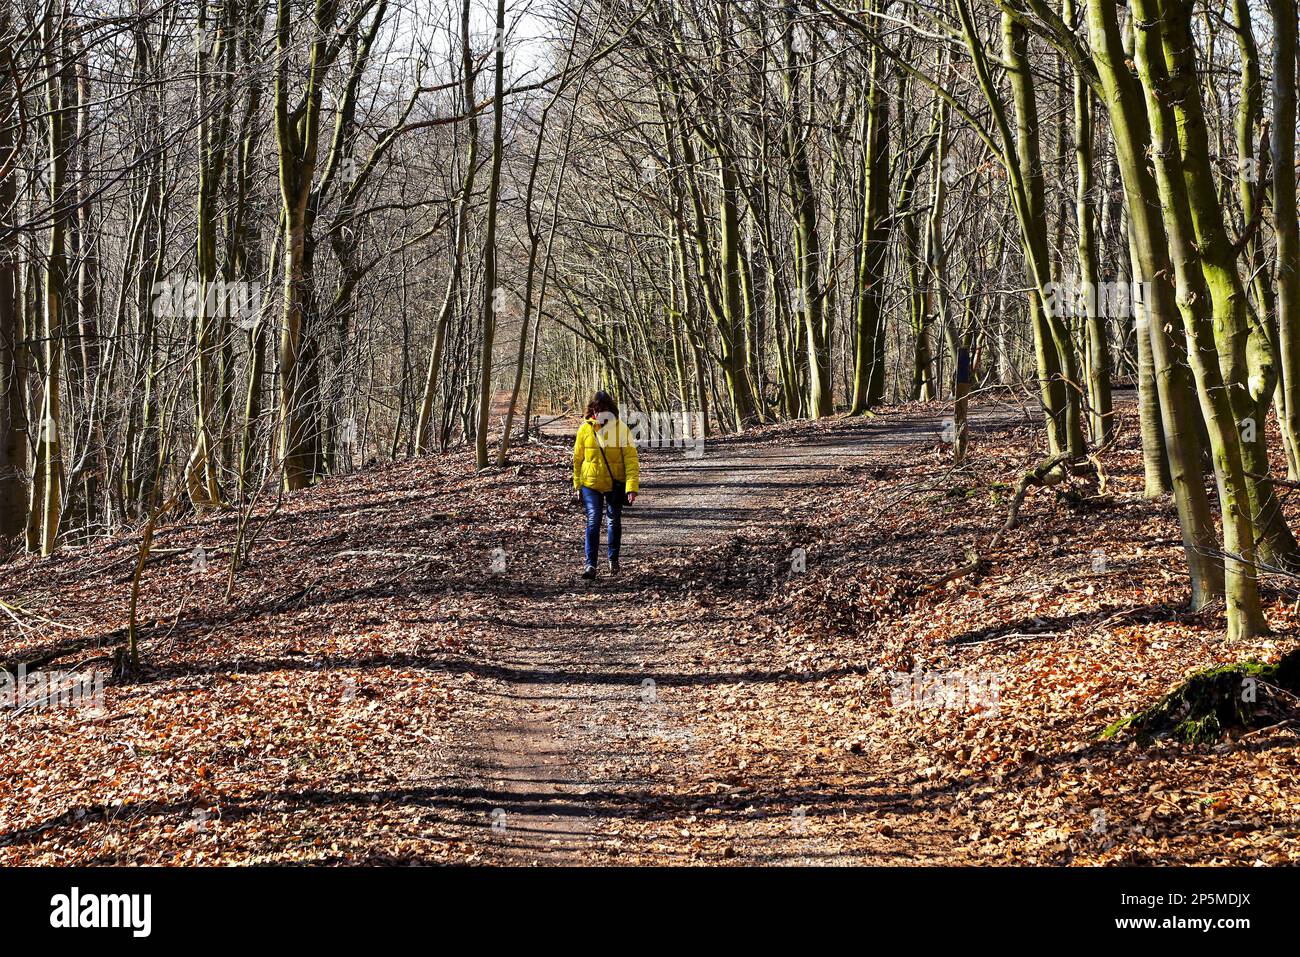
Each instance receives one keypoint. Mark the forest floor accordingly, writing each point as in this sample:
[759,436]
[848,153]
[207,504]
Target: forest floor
[409,670]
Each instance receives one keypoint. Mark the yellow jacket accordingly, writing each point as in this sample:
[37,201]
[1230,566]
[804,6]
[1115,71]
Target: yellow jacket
[588,465]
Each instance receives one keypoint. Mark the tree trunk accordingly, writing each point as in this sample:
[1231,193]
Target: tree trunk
[807,243]
[47,489]
[1101,422]
[13,412]
[1180,418]
[873,245]
[1212,308]
[493,296]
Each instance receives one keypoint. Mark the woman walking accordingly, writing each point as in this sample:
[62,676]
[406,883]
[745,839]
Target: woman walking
[606,475]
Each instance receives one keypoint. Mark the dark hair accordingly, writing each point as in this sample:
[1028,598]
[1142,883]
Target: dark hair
[602,402]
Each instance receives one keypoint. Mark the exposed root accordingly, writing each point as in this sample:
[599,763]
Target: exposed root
[1213,702]
[1050,471]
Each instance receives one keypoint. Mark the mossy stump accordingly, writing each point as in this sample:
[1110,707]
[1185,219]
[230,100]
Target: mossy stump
[1210,703]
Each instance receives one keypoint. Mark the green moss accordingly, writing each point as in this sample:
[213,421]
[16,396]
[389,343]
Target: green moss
[1209,703]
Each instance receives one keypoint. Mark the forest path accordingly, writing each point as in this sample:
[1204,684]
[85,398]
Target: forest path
[582,697]
[375,691]
[408,670]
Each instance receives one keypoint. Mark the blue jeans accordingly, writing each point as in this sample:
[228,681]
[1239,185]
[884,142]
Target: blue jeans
[595,502]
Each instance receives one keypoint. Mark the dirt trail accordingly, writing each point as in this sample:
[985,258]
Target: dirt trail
[379,688]
[580,697]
